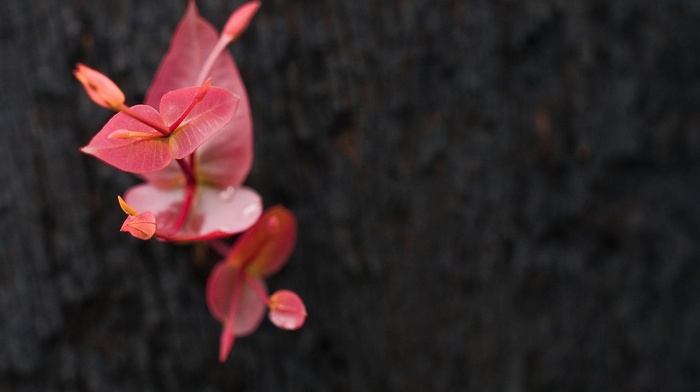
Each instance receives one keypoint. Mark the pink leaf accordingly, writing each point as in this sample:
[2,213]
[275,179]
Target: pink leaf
[266,247]
[221,287]
[251,310]
[287,311]
[136,155]
[215,212]
[233,302]
[208,117]
[141,226]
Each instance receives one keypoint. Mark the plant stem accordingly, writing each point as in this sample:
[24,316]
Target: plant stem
[257,288]
[211,59]
[186,206]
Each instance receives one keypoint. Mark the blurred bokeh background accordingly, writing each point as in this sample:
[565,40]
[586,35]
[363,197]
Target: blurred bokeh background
[492,196]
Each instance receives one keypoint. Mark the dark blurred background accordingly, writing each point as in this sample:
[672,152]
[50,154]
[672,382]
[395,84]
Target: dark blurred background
[493,195]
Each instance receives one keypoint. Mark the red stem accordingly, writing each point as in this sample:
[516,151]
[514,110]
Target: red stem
[186,206]
[257,288]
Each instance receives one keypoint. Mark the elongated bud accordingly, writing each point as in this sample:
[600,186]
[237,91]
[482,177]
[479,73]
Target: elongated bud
[240,19]
[99,87]
[128,209]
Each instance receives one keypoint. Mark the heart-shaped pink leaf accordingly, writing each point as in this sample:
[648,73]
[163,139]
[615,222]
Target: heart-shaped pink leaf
[287,310]
[215,212]
[132,154]
[266,247]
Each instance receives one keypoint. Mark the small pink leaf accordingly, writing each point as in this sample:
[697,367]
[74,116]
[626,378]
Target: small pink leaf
[141,226]
[233,302]
[287,311]
[215,212]
[208,117]
[266,247]
[138,154]
[221,287]
[251,310]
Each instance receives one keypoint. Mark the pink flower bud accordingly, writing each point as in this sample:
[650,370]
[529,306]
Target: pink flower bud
[99,87]
[240,19]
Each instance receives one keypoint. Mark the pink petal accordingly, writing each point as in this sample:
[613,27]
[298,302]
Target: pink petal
[223,287]
[227,157]
[136,155]
[208,117]
[266,247]
[215,212]
[287,311]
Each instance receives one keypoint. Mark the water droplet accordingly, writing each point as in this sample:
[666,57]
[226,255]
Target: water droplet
[225,229]
[251,209]
[227,194]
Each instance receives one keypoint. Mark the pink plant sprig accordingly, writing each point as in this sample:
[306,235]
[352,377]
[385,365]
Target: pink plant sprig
[236,293]
[195,153]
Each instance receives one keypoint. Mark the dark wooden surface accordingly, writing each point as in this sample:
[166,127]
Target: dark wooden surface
[492,196]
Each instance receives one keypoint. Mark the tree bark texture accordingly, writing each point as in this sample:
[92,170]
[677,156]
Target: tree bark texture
[492,196]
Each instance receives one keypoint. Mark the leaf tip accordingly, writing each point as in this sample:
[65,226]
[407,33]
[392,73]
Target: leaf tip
[226,343]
